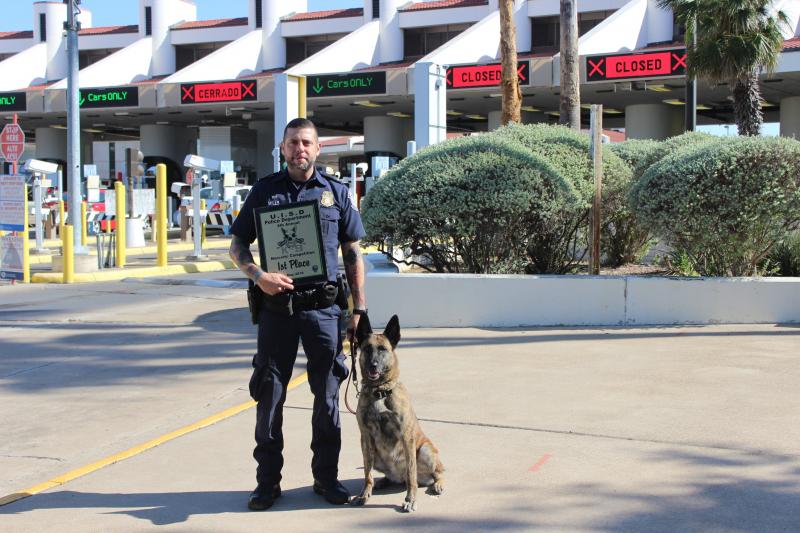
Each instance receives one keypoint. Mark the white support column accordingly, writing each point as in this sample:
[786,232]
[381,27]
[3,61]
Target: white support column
[391,36]
[523,25]
[287,102]
[653,121]
[495,118]
[430,104]
[172,142]
[51,143]
[215,142]
[387,134]
[266,142]
[163,51]
[790,117]
[658,23]
[55,15]
[273,51]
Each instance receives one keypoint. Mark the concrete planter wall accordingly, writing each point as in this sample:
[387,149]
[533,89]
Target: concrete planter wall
[475,300]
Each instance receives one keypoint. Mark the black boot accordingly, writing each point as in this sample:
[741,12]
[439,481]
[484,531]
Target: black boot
[263,497]
[333,491]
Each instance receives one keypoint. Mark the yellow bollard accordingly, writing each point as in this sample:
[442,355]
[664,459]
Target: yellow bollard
[68,254]
[26,253]
[161,215]
[62,217]
[203,224]
[84,229]
[119,190]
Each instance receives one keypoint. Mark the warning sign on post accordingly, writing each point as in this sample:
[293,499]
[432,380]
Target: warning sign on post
[12,203]
[11,257]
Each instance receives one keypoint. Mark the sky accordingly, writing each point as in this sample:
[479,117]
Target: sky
[18,14]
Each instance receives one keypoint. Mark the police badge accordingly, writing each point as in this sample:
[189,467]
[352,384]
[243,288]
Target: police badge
[327,199]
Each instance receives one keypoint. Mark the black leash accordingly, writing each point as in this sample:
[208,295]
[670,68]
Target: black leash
[353,375]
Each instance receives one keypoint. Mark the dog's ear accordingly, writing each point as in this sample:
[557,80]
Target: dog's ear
[392,331]
[363,330]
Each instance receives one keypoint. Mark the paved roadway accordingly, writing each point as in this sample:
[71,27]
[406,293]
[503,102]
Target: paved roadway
[575,430]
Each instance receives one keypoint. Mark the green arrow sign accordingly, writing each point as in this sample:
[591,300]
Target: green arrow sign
[353,83]
[109,97]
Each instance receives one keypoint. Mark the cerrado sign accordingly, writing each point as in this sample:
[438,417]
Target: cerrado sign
[228,91]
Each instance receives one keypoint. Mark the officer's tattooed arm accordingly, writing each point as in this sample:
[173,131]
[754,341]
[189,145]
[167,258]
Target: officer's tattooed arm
[354,269]
[270,283]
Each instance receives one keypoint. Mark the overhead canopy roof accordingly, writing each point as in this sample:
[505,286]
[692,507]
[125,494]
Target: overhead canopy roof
[24,69]
[129,65]
[240,58]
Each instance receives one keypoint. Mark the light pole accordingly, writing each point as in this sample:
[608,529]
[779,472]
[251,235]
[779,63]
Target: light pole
[74,125]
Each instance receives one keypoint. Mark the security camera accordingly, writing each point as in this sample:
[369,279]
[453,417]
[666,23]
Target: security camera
[41,167]
[201,163]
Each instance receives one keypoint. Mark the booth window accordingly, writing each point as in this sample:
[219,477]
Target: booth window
[185,55]
[418,42]
[148,21]
[298,49]
[42,27]
[376,9]
[546,31]
[259,15]
[90,57]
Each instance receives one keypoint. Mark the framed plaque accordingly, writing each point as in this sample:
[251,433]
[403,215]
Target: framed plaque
[290,241]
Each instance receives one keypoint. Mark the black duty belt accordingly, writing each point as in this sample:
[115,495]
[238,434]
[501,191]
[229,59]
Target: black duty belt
[319,297]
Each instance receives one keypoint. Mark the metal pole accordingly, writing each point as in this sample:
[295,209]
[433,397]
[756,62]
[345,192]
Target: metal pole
[160,229]
[196,222]
[691,91]
[37,213]
[597,160]
[74,126]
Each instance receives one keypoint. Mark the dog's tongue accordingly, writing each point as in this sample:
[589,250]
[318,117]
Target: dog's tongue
[373,375]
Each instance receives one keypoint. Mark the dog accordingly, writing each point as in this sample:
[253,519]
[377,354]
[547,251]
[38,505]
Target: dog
[392,440]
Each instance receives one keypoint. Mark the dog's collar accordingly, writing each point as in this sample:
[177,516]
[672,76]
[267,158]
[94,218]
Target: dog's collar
[381,394]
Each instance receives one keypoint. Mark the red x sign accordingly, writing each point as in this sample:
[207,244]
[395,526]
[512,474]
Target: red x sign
[680,61]
[596,67]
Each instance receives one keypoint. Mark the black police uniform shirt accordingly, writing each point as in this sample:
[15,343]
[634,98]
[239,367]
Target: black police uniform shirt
[339,219]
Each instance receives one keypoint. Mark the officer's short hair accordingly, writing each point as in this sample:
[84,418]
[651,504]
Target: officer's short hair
[298,124]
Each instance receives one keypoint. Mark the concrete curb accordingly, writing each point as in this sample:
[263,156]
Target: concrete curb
[117,274]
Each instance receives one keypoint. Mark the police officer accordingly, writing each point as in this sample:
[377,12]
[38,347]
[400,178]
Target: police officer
[291,315]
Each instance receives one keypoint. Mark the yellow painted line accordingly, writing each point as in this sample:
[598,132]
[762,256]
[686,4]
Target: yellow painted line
[112,274]
[136,450]
[145,250]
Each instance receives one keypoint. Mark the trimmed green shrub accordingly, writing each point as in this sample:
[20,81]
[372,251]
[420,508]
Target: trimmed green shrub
[568,152]
[623,238]
[473,204]
[725,202]
[784,257]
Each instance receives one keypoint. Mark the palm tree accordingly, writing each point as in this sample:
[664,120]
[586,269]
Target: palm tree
[512,95]
[736,39]
[570,106]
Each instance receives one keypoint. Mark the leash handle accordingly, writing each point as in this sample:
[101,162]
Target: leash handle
[353,375]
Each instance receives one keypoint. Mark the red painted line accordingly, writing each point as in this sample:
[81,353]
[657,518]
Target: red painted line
[535,468]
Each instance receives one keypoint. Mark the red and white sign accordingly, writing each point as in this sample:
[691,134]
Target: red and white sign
[467,76]
[664,63]
[12,143]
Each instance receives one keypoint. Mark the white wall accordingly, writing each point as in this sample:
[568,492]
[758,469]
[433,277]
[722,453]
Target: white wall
[208,35]
[546,8]
[273,44]
[443,300]
[107,42]
[436,17]
[303,28]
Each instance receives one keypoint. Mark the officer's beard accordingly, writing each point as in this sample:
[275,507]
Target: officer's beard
[303,166]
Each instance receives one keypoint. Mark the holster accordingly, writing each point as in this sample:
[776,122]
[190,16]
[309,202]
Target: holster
[320,297]
[255,299]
